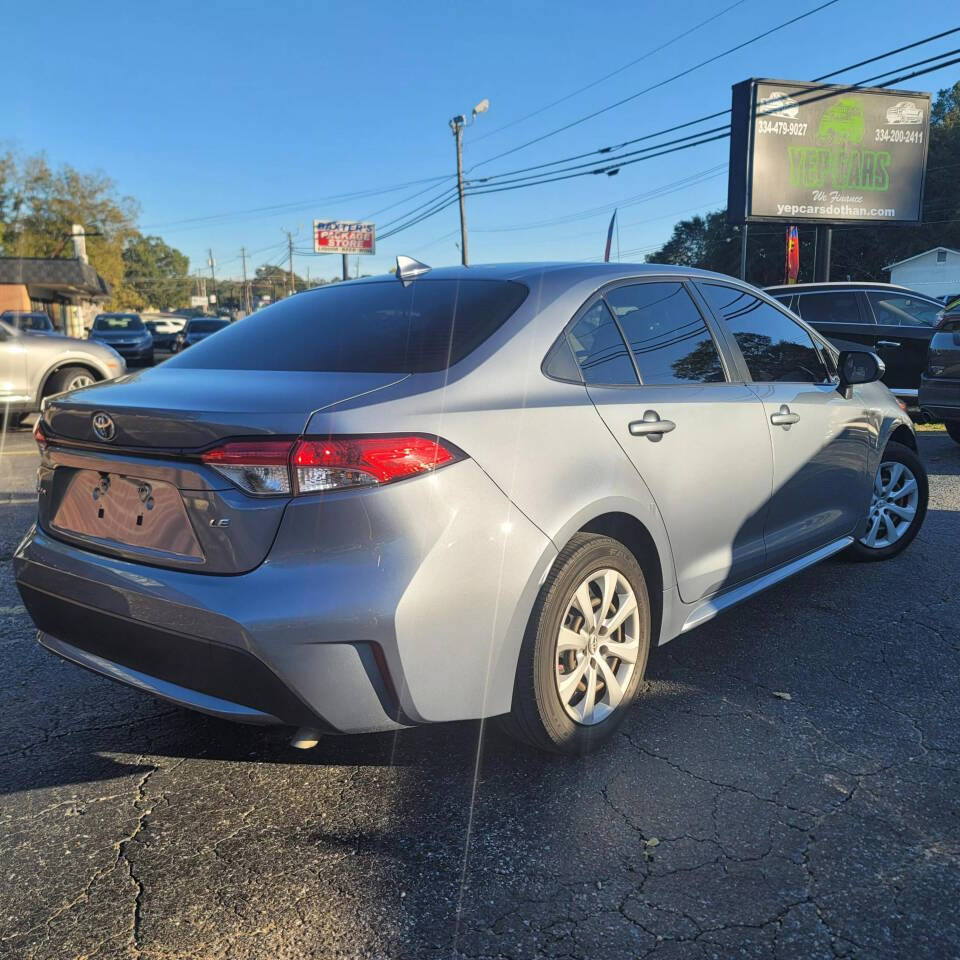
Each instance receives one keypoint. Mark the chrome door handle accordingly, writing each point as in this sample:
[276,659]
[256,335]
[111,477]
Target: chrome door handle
[651,426]
[784,418]
[888,343]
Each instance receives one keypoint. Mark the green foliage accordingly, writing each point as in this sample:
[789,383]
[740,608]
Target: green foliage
[39,205]
[859,253]
[156,273]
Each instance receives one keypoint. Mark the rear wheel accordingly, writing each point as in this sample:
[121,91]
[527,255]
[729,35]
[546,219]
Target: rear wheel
[898,505]
[953,428]
[585,650]
[70,378]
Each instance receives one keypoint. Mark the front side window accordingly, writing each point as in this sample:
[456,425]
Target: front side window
[668,337]
[830,308]
[901,311]
[600,351]
[775,348]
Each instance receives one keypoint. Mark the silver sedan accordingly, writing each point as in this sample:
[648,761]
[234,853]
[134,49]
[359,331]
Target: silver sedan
[457,493]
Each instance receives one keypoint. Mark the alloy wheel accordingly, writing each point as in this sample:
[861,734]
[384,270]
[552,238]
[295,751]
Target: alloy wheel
[597,646]
[893,505]
[80,380]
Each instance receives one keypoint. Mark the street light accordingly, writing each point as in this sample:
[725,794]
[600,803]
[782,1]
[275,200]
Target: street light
[456,125]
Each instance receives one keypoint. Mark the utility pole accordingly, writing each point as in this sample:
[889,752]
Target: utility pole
[456,125]
[293,288]
[213,275]
[246,289]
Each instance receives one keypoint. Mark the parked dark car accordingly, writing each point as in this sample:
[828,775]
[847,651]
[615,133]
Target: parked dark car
[30,321]
[162,340]
[940,381]
[197,329]
[127,334]
[895,322]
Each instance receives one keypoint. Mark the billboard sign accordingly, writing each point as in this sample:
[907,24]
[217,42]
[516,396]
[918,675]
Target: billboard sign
[344,236]
[802,152]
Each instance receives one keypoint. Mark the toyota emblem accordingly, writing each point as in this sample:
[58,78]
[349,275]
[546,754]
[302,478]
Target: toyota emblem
[103,426]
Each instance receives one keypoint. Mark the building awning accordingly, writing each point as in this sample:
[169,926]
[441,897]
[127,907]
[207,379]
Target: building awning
[69,278]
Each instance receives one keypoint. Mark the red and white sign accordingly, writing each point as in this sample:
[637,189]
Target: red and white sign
[344,236]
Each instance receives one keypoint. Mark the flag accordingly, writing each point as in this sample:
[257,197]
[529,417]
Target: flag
[792,270]
[606,252]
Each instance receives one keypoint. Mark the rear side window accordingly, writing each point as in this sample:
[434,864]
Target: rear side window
[829,308]
[373,327]
[600,350]
[775,348]
[900,311]
[668,337]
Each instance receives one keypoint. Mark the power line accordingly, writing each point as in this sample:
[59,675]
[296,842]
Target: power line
[608,76]
[661,83]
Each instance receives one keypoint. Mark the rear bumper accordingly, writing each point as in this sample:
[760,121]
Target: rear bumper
[373,610]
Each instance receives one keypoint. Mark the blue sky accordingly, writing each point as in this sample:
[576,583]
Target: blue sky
[215,110]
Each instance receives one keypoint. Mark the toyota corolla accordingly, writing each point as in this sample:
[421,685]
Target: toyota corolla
[457,493]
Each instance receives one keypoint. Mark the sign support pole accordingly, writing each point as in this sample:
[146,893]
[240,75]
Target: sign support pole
[346,268]
[822,254]
[743,252]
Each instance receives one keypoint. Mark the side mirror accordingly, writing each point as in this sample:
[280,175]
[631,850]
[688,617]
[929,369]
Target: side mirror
[858,366]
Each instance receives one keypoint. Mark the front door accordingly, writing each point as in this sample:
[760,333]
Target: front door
[13,370]
[699,441]
[819,439]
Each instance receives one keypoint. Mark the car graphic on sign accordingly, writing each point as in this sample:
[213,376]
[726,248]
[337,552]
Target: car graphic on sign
[842,123]
[778,104]
[906,111]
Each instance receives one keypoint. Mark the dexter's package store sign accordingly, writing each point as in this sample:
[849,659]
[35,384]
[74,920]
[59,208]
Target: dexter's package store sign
[827,154]
[344,236]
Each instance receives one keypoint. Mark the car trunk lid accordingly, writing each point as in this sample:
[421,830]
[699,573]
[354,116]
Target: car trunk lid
[140,491]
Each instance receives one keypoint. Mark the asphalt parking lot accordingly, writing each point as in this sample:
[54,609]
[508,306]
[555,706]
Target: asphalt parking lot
[725,820]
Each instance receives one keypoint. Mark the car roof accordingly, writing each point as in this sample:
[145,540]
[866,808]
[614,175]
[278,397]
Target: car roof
[528,272]
[839,285]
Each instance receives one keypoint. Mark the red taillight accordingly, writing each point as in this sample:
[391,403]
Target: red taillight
[257,466]
[275,467]
[40,436]
[362,461]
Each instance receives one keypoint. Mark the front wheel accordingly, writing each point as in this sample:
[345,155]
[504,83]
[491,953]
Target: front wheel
[585,650]
[898,505]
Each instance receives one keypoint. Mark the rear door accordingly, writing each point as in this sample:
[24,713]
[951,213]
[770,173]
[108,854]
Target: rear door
[905,326]
[697,438]
[819,439]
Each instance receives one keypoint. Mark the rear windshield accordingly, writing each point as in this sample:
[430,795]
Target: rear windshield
[372,327]
[30,321]
[206,326]
[118,323]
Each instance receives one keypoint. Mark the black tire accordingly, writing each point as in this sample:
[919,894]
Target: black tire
[898,453]
[538,717]
[953,428]
[63,379]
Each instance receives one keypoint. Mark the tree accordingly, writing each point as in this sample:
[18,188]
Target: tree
[39,205]
[156,273]
[858,253]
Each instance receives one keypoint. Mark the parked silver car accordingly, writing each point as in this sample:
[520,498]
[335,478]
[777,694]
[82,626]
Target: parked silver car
[37,365]
[457,493]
